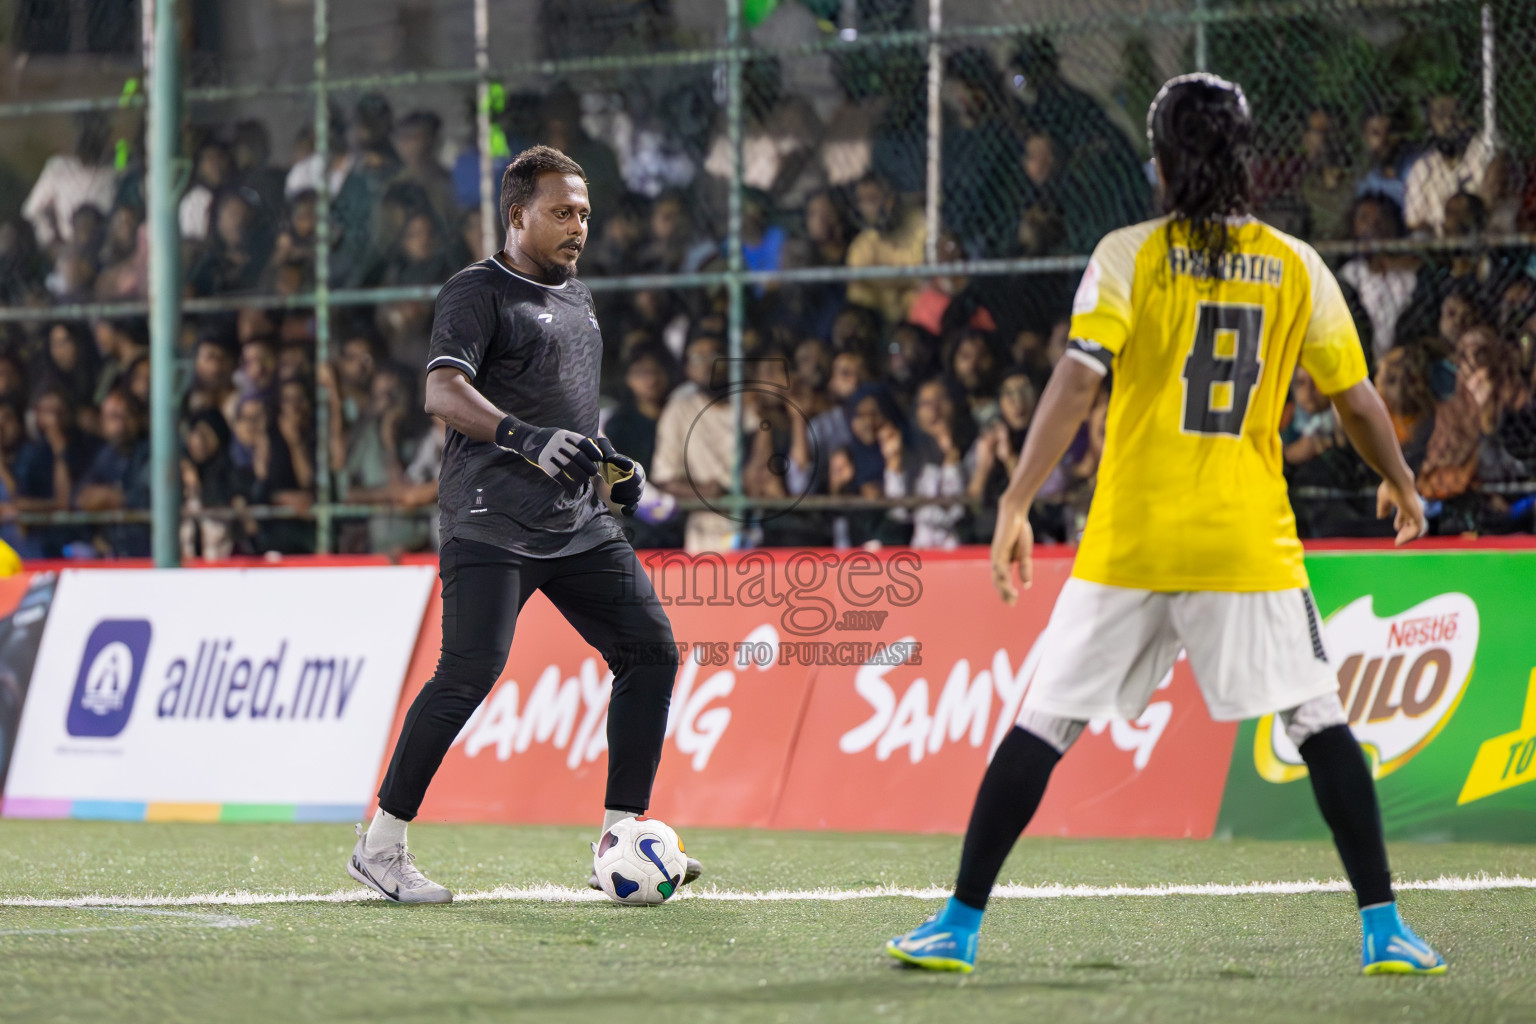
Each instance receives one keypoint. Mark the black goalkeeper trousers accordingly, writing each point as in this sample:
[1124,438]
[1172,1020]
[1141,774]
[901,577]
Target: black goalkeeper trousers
[602,592]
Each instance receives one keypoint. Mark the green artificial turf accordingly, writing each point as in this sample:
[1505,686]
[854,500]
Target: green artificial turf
[1226,958]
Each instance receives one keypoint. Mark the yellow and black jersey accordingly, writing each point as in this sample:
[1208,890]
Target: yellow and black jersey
[1190,491]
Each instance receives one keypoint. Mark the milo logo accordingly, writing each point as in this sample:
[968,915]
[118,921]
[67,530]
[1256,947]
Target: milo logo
[1400,679]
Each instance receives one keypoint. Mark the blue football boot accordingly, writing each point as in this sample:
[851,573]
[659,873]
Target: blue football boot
[1389,946]
[944,942]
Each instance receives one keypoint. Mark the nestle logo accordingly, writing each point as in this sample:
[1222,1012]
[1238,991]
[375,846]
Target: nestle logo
[1429,629]
[109,677]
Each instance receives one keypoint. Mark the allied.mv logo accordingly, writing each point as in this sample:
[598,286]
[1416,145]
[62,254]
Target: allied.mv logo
[110,668]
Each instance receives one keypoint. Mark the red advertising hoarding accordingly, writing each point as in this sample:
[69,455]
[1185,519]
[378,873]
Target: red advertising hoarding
[837,690]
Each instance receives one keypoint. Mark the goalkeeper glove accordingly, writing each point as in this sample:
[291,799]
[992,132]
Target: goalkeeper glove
[564,456]
[626,480]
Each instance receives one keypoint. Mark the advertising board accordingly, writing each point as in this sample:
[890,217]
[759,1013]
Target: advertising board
[214,695]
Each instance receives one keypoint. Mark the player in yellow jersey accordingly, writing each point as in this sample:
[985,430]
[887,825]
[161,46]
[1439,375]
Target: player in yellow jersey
[1202,316]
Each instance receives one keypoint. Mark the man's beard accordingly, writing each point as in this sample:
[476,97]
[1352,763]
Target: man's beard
[716,385]
[883,222]
[1452,146]
[556,273]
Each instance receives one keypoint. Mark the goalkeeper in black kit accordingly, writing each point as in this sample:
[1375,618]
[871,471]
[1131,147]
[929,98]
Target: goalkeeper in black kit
[513,370]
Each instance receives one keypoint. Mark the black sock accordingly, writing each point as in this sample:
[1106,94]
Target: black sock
[1346,794]
[1010,793]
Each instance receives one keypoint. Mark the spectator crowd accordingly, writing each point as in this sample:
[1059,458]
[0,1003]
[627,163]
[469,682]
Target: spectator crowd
[911,388]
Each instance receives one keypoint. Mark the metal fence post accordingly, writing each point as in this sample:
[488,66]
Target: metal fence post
[491,231]
[1202,50]
[935,129]
[164,283]
[323,423]
[733,235]
[1490,99]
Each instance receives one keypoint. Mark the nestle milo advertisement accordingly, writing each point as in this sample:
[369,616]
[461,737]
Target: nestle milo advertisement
[1436,660]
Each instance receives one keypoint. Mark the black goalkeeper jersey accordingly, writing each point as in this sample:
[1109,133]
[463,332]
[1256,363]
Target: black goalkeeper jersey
[533,350]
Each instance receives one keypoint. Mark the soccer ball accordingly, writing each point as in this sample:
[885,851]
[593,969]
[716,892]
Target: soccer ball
[639,861]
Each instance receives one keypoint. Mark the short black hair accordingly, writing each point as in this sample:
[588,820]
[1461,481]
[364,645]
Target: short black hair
[1389,207]
[253,133]
[53,386]
[659,354]
[128,398]
[866,362]
[374,116]
[95,134]
[423,119]
[211,145]
[521,178]
[222,342]
[364,332]
[877,179]
[1479,208]
[348,327]
[134,328]
[1467,290]
[650,349]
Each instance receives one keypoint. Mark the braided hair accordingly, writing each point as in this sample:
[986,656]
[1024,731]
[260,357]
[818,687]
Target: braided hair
[1199,129]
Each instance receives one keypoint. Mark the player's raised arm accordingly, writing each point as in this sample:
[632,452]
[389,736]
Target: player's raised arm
[1364,418]
[565,456]
[1067,400]
[451,396]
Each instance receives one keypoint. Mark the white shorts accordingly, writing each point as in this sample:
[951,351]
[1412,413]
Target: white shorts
[1106,649]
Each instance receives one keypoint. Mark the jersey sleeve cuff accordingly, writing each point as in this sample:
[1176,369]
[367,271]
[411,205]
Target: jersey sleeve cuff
[1092,355]
[453,361]
[1337,384]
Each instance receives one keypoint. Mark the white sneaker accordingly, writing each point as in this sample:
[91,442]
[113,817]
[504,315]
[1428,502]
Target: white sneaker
[393,874]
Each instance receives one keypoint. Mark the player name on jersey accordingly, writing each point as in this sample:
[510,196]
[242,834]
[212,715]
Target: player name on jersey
[1252,268]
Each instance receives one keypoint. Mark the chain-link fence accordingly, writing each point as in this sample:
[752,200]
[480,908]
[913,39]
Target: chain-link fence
[853,225]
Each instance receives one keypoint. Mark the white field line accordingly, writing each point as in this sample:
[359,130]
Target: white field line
[181,918]
[564,894]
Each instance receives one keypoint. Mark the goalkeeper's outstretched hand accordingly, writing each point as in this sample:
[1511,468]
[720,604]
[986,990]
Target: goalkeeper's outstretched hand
[626,480]
[566,457]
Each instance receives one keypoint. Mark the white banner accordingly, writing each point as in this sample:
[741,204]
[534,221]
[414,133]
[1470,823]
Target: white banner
[215,687]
